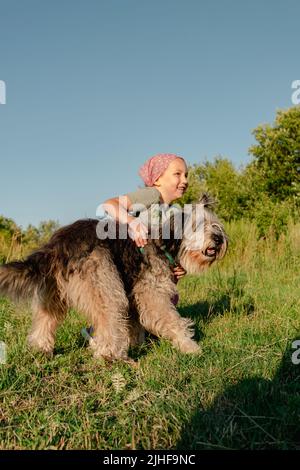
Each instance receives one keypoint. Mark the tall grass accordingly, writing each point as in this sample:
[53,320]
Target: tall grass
[243,392]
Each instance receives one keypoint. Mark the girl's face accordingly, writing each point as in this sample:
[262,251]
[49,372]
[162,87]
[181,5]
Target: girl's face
[172,184]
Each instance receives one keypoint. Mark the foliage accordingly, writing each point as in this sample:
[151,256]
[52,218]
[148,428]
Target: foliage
[267,190]
[277,155]
[16,243]
[271,217]
[222,181]
[7,226]
[34,236]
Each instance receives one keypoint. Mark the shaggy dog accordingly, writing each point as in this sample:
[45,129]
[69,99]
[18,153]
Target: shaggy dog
[121,289]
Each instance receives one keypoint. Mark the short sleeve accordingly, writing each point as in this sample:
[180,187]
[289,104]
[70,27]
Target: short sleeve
[145,196]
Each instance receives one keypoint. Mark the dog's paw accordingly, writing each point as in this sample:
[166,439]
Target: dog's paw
[189,346]
[40,345]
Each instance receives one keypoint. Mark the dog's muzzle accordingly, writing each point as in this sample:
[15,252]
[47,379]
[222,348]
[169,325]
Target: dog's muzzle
[215,245]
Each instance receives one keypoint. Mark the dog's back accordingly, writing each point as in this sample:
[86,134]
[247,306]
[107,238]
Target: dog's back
[20,279]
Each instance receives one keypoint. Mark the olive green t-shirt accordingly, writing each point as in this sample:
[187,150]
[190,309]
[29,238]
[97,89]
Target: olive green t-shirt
[147,204]
[145,196]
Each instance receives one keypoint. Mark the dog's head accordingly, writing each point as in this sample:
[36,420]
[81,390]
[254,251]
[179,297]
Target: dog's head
[204,239]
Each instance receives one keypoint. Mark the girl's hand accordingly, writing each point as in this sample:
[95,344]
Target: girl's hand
[179,272]
[138,232]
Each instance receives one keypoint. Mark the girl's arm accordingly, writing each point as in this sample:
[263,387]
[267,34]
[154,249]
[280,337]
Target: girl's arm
[118,208]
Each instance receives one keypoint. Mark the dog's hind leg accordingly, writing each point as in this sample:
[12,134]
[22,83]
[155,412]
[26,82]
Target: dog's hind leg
[47,314]
[158,316]
[136,330]
[98,292]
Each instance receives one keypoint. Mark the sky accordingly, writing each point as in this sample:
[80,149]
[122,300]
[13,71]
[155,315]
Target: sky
[95,87]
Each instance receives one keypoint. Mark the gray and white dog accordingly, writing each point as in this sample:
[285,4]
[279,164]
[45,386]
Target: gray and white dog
[122,290]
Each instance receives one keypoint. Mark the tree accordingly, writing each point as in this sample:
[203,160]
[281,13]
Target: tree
[46,230]
[224,183]
[277,156]
[34,236]
[8,227]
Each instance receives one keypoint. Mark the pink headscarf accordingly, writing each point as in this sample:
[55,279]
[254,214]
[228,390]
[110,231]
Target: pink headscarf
[155,166]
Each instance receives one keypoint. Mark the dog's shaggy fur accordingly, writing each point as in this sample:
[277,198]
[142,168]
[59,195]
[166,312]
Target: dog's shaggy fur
[121,290]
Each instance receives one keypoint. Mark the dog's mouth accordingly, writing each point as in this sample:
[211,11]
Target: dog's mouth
[210,252]
[214,247]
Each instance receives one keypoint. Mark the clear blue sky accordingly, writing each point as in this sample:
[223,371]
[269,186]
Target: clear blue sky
[95,87]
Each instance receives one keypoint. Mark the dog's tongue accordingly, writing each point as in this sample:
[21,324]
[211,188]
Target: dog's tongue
[210,251]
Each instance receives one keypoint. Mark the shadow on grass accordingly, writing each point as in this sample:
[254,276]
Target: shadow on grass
[230,296]
[206,311]
[253,414]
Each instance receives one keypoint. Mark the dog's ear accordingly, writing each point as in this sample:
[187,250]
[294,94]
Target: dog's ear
[207,201]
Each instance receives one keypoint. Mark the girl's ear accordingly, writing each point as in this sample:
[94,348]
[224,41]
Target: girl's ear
[157,183]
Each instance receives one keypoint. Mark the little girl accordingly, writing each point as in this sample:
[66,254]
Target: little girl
[165,178]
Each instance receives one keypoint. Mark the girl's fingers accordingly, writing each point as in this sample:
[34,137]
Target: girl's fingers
[141,242]
[180,271]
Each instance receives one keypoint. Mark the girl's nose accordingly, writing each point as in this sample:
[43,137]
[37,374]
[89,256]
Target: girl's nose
[184,179]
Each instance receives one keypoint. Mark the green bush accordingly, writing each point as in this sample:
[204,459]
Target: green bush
[271,218]
[17,243]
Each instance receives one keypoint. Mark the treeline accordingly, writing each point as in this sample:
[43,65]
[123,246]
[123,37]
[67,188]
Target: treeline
[16,243]
[267,190]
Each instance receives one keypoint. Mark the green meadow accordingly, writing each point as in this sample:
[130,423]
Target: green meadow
[242,392]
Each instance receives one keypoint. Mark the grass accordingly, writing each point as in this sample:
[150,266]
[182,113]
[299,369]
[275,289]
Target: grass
[243,392]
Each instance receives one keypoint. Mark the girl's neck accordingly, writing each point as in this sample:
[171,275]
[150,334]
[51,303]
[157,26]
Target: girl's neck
[163,197]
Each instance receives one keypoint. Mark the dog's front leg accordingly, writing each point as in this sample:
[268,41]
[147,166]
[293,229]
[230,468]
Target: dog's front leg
[159,316]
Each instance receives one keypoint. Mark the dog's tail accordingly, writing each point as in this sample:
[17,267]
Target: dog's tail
[19,279]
